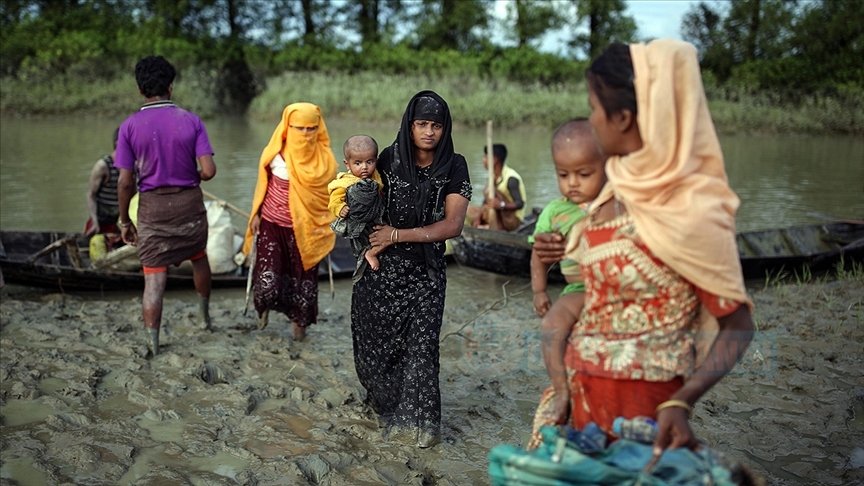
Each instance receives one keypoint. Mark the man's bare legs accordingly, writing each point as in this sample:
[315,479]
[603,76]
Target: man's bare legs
[154,291]
[492,218]
[500,219]
[154,294]
[201,277]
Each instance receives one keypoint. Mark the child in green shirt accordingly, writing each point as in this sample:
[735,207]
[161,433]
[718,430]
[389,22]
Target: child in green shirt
[580,167]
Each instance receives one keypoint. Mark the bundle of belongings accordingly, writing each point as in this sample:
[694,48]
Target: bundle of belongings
[572,456]
[223,242]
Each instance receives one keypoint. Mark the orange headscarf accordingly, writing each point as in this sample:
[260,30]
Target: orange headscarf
[311,166]
[675,186]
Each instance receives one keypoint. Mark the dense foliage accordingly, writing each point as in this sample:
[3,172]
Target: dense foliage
[778,54]
[238,44]
[785,47]
[101,38]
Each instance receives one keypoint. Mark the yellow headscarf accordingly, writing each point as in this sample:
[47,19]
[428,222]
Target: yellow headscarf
[311,166]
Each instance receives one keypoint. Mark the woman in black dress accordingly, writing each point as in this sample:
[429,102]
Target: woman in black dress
[397,311]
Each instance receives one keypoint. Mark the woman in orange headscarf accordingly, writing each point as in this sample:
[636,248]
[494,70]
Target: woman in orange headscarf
[666,314]
[290,218]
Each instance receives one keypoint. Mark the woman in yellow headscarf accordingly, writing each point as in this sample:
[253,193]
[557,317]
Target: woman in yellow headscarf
[658,255]
[290,218]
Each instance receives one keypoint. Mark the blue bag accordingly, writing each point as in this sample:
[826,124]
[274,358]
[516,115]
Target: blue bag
[559,461]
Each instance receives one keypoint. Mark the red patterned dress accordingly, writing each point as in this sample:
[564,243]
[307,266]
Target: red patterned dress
[633,345]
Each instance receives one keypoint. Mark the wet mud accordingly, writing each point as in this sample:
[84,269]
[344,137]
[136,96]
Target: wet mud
[82,403]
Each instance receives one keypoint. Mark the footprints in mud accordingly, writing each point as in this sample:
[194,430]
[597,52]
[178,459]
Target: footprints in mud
[211,374]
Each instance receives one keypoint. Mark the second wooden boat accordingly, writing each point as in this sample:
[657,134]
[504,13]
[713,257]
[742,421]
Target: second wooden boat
[816,247]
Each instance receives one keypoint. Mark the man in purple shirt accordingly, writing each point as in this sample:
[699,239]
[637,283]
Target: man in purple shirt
[165,145]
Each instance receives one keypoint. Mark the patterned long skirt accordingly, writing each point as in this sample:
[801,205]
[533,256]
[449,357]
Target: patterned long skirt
[396,316]
[279,280]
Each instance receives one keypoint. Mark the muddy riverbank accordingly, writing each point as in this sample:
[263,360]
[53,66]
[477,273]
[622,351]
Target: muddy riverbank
[82,404]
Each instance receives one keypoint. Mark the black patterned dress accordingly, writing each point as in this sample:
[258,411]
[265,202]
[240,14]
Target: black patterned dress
[397,311]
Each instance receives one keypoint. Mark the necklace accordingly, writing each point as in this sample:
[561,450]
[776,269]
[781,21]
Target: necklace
[593,217]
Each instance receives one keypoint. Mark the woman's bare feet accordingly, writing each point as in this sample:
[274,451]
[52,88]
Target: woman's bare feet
[299,332]
[263,319]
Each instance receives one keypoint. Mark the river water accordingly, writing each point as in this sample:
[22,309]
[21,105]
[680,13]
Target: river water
[781,179]
[489,383]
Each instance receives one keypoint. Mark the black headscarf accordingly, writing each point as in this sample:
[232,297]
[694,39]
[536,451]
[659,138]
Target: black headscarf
[425,105]
[403,164]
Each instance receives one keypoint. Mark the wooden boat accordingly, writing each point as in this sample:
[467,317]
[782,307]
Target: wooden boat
[818,247]
[61,261]
[496,251]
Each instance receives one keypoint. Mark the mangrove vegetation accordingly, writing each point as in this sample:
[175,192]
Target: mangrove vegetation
[768,65]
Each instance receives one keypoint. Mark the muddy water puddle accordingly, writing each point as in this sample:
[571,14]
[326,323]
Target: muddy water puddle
[23,412]
[221,464]
[23,472]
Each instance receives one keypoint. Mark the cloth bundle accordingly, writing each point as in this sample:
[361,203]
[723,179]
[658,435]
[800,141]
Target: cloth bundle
[576,457]
[366,206]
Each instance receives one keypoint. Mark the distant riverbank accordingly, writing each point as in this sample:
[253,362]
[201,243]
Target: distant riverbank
[373,97]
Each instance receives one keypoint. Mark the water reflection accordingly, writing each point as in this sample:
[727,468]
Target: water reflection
[795,178]
[781,179]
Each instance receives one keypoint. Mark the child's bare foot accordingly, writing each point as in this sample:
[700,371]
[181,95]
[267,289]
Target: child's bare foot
[372,260]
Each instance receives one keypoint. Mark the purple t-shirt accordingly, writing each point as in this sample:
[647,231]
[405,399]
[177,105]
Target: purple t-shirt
[162,143]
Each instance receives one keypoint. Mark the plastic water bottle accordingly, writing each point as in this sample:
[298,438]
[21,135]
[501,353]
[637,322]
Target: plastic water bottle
[639,429]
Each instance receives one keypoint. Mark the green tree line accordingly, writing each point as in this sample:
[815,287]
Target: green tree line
[780,48]
[242,42]
[786,47]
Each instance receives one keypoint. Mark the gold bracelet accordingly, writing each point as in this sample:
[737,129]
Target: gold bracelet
[397,235]
[392,233]
[675,404]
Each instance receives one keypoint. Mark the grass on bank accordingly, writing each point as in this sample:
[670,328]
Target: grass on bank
[63,95]
[852,271]
[472,100]
[833,297]
[375,97]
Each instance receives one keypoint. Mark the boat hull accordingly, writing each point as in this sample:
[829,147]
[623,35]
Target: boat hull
[58,270]
[817,247]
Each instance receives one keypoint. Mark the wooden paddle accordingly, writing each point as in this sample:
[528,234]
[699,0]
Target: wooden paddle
[225,203]
[51,247]
[252,255]
[330,274]
[491,215]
